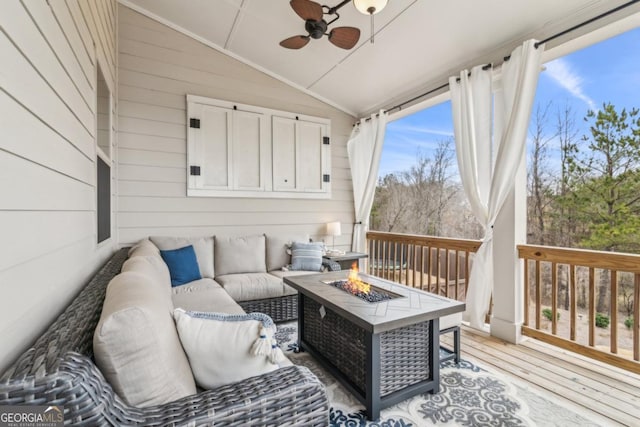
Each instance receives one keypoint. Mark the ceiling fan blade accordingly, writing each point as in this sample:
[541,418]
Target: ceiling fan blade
[295,42]
[344,37]
[307,9]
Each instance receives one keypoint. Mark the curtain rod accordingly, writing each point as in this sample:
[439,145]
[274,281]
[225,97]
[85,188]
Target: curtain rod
[506,58]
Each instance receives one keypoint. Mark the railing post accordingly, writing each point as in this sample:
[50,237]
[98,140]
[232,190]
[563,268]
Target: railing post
[554,298]
[538,294]
[592,307]
[574,301]
[636,317]
[527,287]
[614,311]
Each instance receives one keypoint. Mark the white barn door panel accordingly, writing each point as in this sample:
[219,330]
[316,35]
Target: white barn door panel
[312,156]
[284,154]
[213,142]
[236,150]
[248,142]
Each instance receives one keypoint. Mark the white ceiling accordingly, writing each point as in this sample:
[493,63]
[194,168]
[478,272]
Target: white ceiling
[418,43]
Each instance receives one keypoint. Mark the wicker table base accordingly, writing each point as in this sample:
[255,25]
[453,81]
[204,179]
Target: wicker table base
[382,352]
[379,369]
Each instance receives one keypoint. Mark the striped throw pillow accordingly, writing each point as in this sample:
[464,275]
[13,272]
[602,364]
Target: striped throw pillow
[306,256]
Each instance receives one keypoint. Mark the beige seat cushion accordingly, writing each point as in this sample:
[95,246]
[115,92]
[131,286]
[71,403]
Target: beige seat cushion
[204,295]
[202,246]
[240,255]
[199,285]
[288,290]
[136,345]
[252,286]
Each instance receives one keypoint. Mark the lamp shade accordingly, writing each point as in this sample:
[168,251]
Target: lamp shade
[333,229]
[369,7]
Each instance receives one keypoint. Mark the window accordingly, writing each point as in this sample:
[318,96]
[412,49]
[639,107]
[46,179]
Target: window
[103,158]
[419,189]
[104,200]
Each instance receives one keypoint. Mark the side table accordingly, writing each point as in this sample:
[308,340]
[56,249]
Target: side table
[347,259]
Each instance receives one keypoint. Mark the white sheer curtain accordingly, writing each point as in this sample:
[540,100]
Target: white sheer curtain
[487,170]
[365,149]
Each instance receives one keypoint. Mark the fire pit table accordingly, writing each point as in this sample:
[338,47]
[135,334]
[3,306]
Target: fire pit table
[383,351]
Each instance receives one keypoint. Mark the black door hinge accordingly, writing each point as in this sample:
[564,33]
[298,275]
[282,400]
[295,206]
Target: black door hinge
[194,170]
[326,178]
[326,140]
[194,123]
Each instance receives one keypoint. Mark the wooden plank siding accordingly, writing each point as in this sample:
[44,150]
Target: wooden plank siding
[49,247]
[158,67]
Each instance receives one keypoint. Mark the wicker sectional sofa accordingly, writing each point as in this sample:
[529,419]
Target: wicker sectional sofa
[60,369]
[248,268]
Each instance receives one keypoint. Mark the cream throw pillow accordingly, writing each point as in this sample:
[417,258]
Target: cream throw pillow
[227,348]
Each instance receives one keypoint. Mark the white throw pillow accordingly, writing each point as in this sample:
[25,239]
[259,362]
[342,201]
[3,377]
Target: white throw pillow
[227,348]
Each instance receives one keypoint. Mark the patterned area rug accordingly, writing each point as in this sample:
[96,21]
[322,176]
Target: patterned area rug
[469,396]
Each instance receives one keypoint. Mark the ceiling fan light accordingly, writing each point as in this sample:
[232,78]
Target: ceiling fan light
[369,7]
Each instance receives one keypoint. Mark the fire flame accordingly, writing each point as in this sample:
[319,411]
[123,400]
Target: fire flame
[354,284]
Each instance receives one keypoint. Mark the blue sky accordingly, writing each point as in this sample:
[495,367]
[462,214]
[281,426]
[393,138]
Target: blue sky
[608,71]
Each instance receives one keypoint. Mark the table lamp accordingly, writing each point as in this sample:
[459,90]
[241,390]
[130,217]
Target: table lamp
[333,229]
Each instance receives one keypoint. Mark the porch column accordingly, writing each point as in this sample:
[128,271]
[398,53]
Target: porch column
[510,229]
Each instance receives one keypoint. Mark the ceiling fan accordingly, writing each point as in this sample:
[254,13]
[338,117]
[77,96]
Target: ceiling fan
[316,26]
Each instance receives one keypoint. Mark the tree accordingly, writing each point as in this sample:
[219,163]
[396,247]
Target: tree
[390,210]
[607,185]
[421,199]
[430,188]
[564,224]
[539,179]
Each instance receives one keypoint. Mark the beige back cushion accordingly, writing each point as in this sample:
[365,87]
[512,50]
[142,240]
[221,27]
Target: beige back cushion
[136,345]
[277,256]
[202,246]
[144,248]
[152,267]
[240,255]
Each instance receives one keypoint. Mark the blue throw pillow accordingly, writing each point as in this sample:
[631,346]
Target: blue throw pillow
[306,256]
[183,265]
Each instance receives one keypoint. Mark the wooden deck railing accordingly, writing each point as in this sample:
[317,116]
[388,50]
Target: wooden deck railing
[584,301]
[435,264]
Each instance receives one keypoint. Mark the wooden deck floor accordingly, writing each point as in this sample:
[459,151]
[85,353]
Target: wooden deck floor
[604,394]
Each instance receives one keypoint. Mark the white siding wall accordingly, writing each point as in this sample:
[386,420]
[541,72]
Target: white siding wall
[48,247]
[158,66]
